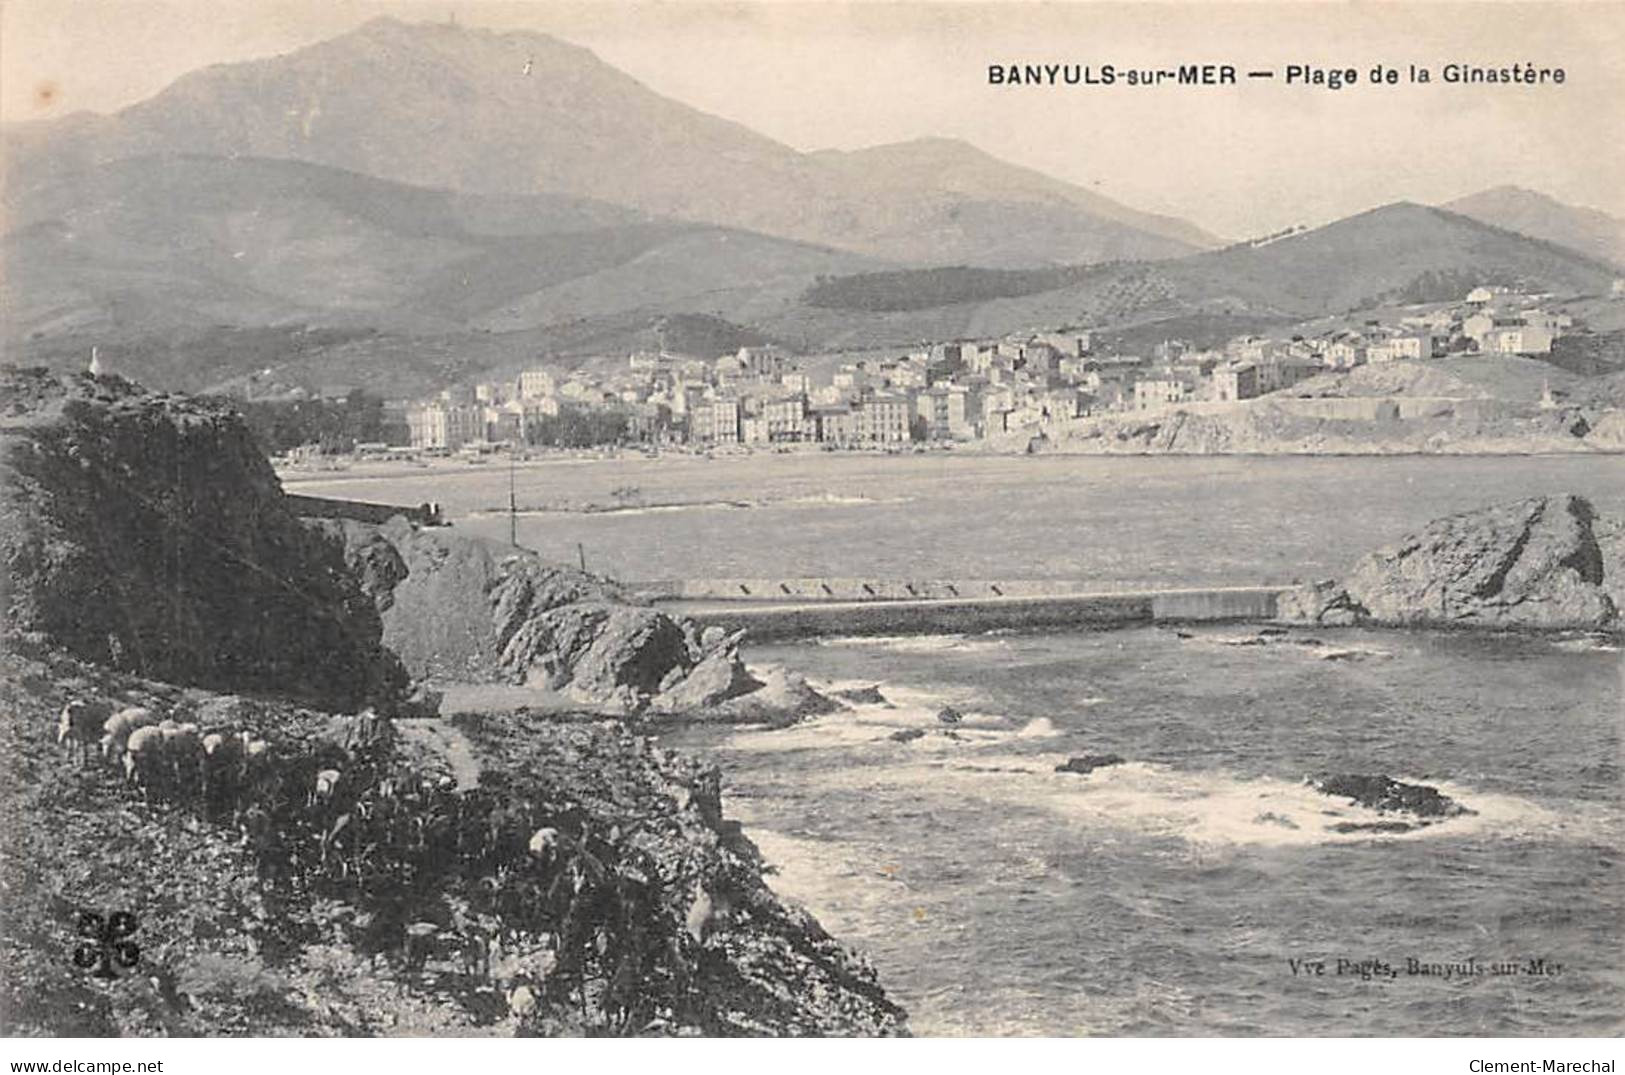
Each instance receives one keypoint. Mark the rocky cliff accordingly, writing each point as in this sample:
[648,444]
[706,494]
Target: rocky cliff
[460,608]
[148,533]
[1546,563]
[348,874]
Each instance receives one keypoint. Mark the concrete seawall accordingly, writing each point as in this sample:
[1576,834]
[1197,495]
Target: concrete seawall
[784,621]
[781,590]
[365,511]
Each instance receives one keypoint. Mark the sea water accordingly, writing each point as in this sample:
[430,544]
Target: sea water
[1193,888]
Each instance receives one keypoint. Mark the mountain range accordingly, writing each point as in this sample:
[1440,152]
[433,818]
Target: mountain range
[407,203]
[476,111]
[1530,212]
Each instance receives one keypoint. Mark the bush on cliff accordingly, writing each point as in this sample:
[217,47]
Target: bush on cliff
[584,866]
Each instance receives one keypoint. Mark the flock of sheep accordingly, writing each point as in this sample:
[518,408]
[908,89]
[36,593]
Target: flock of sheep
[417,815]
[164,755]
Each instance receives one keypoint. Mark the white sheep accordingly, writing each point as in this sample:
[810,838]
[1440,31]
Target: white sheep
[80,725]
[327,781]
[221,747]
[116,732]
[143,756]
[522,1001]
[699,913]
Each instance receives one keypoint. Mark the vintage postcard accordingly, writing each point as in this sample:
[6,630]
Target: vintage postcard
[842,519]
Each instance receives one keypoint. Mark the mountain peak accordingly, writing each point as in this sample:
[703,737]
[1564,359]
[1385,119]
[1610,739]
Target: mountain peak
[479,110]
[1537,214]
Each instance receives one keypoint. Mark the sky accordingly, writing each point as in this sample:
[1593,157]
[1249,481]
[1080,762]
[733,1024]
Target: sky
[1239,160]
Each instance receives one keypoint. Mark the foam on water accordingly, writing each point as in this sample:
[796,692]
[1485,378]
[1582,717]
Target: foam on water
[1201,807]
[952,643]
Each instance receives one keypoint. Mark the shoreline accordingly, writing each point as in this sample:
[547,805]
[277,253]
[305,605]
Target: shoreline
[366,471]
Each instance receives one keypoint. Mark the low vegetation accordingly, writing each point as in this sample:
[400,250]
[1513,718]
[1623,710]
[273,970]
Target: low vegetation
[923,289]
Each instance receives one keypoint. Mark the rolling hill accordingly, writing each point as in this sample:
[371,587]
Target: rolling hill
[155,243]
[1401,251]
[471,110]
[1532,213]
[1398,252]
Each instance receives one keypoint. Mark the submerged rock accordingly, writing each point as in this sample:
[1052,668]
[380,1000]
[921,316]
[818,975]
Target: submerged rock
[1085,764]
[1385,794]
[1346,827]
[949,715]
[906,735]
[862,695]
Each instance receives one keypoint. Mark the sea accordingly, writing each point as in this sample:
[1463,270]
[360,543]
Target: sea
[1199,886]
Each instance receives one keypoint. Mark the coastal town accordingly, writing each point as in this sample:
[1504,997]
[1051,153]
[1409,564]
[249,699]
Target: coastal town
[939,393]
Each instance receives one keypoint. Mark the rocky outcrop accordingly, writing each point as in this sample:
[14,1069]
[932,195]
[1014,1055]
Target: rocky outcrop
[147,532]
[720,676]
[1387,795]
[1286,426]
[599,650]
[869,695]
[782,697]
[461,608]
[1084,764]
[1546,563]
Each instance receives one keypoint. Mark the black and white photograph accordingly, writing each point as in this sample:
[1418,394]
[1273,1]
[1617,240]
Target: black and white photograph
[756,519]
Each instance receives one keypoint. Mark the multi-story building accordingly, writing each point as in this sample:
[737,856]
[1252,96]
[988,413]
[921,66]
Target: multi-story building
[715,421]
[534,384]
[443,425]
[1517,339]
[943,409]
[883,418]
[761,363]
[1345,353]
[787,419]
[1236,381]
[836,424]
[1160,392]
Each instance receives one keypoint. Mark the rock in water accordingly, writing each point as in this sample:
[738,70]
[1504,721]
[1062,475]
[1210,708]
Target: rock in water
[1533,563]
[1087,763]
[716,679]
[949,715]
[906,735]
[784,697]
[862,695]
[1386,795]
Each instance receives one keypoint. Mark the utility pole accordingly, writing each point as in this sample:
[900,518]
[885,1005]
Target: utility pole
[513,503]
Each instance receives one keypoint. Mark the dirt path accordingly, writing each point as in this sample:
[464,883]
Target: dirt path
[435,736]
